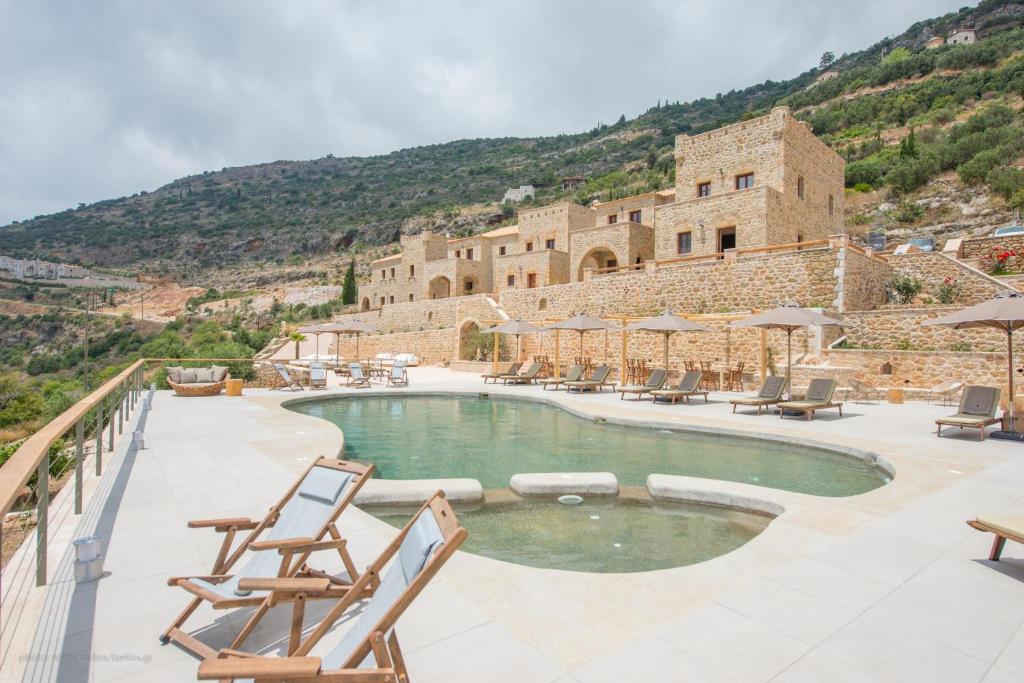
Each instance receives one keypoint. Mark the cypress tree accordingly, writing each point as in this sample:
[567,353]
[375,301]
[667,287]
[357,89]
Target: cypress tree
[349,291]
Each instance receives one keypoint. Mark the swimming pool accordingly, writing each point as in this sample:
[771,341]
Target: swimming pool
[490,439]
[628,533]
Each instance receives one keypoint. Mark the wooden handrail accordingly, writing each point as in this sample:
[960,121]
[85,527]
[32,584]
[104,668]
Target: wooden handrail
[789,246]
[16,472]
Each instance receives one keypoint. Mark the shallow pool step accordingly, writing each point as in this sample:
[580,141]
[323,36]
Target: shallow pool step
[418,491]
[561,483]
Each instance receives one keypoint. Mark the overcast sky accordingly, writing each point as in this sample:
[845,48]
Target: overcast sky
[103,99]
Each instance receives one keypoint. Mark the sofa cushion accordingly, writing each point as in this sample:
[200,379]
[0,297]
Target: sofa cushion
[204,375]
[219,373]
[174,373]
[187,376]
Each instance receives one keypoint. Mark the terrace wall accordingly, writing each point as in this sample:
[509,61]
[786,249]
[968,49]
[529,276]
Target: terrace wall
[910,369]
[426,314]
[902,328]
[863,280]
[981,247]
[933,267]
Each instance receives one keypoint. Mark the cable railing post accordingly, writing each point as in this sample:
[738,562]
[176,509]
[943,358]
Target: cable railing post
[79,462]
[42,505]
[99,438]
[110,439]
[120,418]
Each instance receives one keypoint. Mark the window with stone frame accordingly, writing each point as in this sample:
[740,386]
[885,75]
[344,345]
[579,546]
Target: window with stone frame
[549,244]
[704,189]
[392,273]
[613,218]
[744,180]
[684,242]
[412,270]
[529,246]
[410,297]
[511,280]
[469,253]
[634,216]
[800,187]
[831,205]
[501,251]
[458,253]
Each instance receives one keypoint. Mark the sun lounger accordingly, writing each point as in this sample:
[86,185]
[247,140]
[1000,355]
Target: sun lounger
[495,376]
[1004,527]
[818,397]
[317,375]
[689,385]
[526,377]
[290,382]
[769,394]
[863,391]
[654,382]
[369,649]
[278,546]
[399,375]
[977,410]
[356,377]
[573,375]
[597,381]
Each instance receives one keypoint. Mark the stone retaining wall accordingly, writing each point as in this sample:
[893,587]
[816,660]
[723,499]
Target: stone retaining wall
[910,369]
[982,247]
[863,281]
[902,328]
[932,268]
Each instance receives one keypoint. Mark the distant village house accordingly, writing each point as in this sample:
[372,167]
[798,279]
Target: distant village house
[963,36]
[519,194]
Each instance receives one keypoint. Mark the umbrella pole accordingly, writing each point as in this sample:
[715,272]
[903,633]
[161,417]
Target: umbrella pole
[667,335]
[789,362]
[357,346]
[1009,360]
[337,349]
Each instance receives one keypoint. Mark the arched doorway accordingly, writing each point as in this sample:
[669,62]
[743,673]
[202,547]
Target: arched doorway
[598,257]
[440,287]
[366,303]
[472,344]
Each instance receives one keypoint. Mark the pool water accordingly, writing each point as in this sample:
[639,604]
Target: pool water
[427,437]
[624,534]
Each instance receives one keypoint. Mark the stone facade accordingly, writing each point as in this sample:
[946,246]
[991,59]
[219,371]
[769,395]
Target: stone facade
[604,246]
[635,209]
[799,183]
[902,328]
[531,269]
[933,268]
[980,249]
[863,280]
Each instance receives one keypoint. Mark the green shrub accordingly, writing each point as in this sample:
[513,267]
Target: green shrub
[904,288]
[1005,180]
[863,187]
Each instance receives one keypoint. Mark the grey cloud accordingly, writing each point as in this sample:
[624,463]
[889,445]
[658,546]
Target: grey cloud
[104,99]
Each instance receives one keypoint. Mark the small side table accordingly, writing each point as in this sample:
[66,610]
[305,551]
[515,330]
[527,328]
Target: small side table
[234,387]
[894,396]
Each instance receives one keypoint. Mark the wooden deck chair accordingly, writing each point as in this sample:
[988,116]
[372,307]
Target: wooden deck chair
[290,382]
[356,377]
[399,375]
[818,397]
[295,528]
[597,381]
[573,375]
[317,375]
[528,376]
[1004,527]
[862,391]
[689,386]
[977,410]
[769,394]
[654,382]
[945,390]
[495,376]
[369,651]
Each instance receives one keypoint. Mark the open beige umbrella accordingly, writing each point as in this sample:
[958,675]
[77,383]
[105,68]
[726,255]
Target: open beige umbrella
[582,324]
[316,331]
[789,316]
[667,324]
[516,327]
[1004,311]
[341,327]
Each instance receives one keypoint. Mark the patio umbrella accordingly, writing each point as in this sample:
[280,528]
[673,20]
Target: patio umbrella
[316,331]
[1004,311]
[582,324]
[789,316]
[338,328]
[667,324]
[516,327]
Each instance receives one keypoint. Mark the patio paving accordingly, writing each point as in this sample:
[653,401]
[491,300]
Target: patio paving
[890,585]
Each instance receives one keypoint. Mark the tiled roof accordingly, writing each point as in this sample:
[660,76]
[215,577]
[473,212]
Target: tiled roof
[502,232]
[660,193]
[388,258]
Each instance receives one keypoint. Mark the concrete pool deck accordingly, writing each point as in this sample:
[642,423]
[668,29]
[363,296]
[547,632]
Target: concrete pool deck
[890,585]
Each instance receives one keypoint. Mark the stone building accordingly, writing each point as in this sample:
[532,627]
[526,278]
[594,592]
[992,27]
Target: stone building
[963,36]
[756,183]
[519,194]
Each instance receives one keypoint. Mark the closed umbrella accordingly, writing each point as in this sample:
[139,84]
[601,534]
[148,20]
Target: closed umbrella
[667,324]
[789,316]
[516,327]
[1004,311]
[582,324]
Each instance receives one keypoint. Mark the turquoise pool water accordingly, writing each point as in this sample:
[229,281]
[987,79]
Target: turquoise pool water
[627,534]
[420,437]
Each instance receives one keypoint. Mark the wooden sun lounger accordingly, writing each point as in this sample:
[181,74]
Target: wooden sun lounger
[769,394]
[399,375]
[1005,527]
[573,375]
[369,651]
[818,397]
[977,410]
[527,377]
[687,388]
[295,528]
[495,376]
[597,381]
[290,382]
[356,378]
[654,382]
[317,375]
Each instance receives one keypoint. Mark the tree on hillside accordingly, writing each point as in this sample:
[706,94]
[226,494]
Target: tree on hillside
[826,59]
[348,287]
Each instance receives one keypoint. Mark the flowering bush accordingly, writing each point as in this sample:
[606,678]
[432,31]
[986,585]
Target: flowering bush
[997,261]
[948,291]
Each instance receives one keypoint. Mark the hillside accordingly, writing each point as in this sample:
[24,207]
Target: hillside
[286,213]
